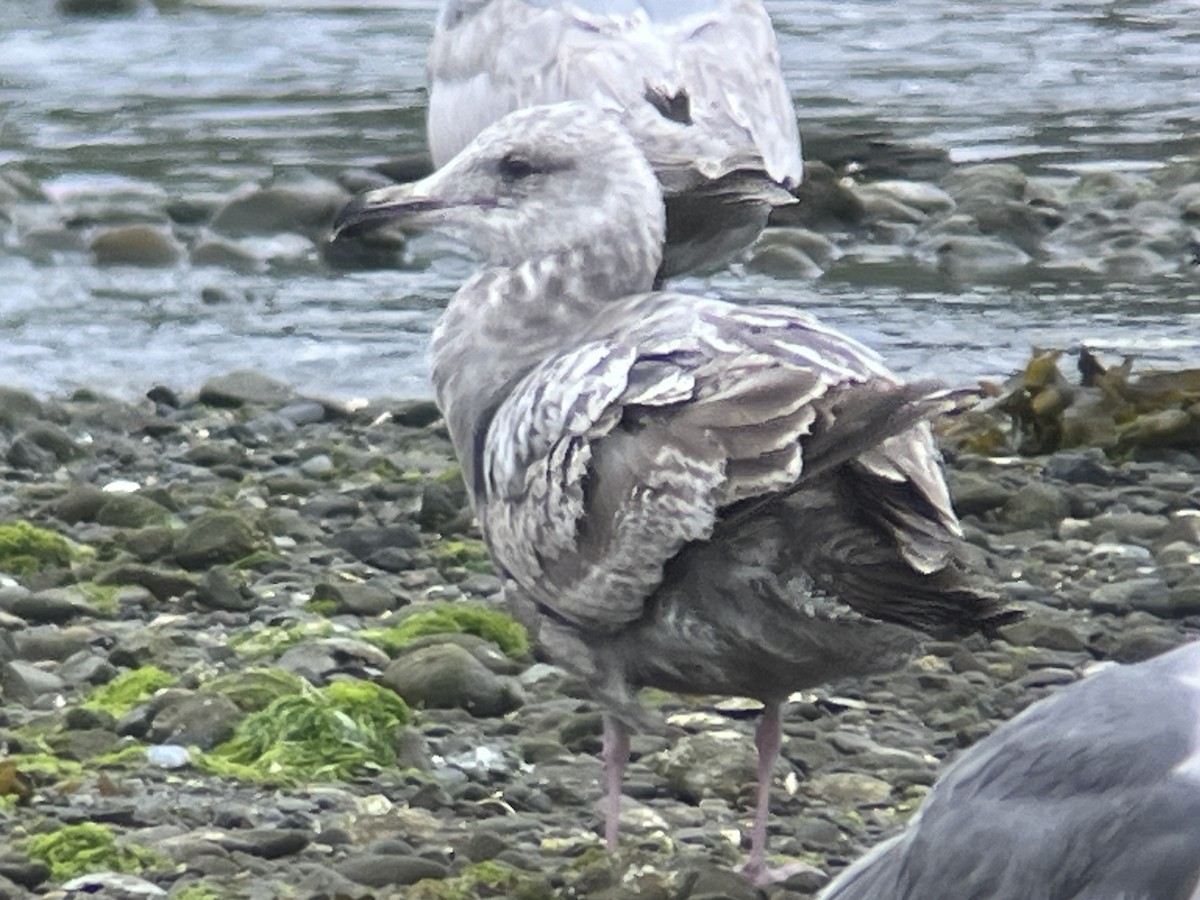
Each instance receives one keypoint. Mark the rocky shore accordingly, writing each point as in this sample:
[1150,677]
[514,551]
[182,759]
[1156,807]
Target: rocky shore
[250,648]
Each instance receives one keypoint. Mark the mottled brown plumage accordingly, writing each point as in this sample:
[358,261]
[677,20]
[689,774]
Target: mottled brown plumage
[681,492]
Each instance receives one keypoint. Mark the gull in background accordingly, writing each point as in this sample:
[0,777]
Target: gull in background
[696,82]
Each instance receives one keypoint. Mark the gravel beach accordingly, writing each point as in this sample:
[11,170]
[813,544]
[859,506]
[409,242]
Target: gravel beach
[211,602]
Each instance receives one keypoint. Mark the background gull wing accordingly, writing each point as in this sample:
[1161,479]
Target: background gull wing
[697,83]
[607,459]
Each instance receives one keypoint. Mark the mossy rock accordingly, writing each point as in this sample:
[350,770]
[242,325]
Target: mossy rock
[129,690]
[87,847]
[26,549]
[255,689]
[453,618]
[216,537]
[273,640]
[334,733]
[484,879]
[468,554]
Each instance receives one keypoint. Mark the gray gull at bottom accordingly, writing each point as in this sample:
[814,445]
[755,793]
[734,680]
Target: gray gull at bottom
[680,492]
[1091,793]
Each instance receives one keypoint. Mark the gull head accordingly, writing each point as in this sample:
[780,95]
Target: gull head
[540,181]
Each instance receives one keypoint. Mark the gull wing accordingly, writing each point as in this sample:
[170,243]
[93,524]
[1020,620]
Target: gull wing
[698,84]
[610,457]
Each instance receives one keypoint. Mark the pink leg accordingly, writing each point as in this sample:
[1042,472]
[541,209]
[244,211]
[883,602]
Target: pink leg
[766,739]
[616,755]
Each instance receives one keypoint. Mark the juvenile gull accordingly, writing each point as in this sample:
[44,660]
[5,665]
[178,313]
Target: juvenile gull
[681,492]
[696,82]
[1093,792]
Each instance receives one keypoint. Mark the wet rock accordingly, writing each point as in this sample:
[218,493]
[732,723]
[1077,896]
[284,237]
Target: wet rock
[970,258]
[24,682]
[163,584]
[98,7]
[220,536]
[385,869]
[54,605]
[356,598]
[975,493]
[223,588]
[201,720]
[138,244]
[365,543]
[225,254]
[446,676]
[244,387]
[133,510]
[18,406]
[708,764]
[1036,505]
[781,261]
[1041,630]
[317,661]
[306,207]
[269,843]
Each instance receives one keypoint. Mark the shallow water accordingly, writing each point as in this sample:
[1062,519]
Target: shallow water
[212,96]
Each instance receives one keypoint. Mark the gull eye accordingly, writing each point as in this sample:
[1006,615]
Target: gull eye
[513,167]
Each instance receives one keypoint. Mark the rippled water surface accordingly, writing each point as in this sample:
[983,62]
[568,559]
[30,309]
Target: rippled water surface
[207,97]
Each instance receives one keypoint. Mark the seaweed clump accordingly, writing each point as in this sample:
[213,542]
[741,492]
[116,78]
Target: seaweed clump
[1040,410]
[453,618]
[129,690]
[87,847]
[334,733]
[26,549]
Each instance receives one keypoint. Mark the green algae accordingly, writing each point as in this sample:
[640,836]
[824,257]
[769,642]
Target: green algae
[464,553]
[453,618]
[26,549]
[196,891]
[273,640]
[333,733]
[483,879]
[102,597]
[129,689]
[87,847]
[255,688]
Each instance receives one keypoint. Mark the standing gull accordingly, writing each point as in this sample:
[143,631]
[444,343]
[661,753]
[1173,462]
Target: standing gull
[681,493]
[696,82]
[1091,793]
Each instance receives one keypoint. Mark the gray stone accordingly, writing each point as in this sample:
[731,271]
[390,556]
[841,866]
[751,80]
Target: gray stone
[138,244]
[446,676]
[975,493]
[244,387]
[224,588]
[1036,505]
[382,870]
[219,536]
[356,598]
[202,720]
[269,843]
[306,207]
[708,764]
[23,682]
[1040,630]
[363,543]
[53,606]
[18,406]
[133,510]
[317,660]
[1149,594]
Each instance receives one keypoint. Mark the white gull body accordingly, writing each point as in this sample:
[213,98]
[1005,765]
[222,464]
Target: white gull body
[696,82]
[680,492]
[1092,793]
